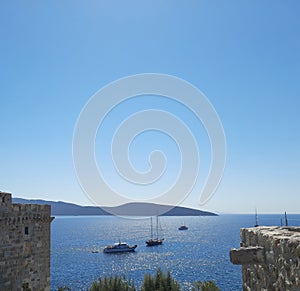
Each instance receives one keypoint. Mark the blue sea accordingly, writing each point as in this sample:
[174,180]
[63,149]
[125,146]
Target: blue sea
[199,253]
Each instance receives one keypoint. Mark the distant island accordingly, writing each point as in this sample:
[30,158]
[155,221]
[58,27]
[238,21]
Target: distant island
[139,209]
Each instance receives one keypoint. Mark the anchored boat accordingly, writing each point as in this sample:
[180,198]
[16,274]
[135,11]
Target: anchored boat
[154,241]
[120,247]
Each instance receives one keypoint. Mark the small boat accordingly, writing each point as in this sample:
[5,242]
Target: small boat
[183,227]
[154,241]
[120,247]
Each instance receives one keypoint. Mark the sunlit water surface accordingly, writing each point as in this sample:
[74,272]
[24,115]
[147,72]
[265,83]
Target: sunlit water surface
[199,253]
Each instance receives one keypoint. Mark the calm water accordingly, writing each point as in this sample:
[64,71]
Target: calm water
[200,253]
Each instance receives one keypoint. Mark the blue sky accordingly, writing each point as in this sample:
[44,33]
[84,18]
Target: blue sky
[243,55]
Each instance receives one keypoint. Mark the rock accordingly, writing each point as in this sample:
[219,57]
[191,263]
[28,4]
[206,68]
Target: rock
[270,258]
[247,255]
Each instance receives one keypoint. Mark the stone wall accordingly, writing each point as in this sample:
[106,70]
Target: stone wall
[24,246]
[270,258]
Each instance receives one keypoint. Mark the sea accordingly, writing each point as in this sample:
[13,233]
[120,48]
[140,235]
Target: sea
[200,253]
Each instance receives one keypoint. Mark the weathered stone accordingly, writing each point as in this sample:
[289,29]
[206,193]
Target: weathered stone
[270,258]
[247,255]
[24,245]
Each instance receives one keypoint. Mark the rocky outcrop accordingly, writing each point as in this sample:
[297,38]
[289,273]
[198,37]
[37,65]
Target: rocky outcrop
[270,258]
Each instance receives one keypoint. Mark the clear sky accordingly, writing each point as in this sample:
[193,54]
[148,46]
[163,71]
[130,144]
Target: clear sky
[243,55]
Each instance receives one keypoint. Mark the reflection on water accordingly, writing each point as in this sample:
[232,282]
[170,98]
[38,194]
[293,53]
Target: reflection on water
[200,253]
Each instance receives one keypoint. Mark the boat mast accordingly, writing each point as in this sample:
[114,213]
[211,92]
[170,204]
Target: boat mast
[156,227]
[151,228]
[286,220]
[256,220]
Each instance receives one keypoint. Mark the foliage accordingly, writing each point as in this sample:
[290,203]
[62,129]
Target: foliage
[205,286]
[160,282]
[116,283]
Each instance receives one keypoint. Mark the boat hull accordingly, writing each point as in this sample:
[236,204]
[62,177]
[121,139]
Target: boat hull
[154,242]
[114,249]
[183,227]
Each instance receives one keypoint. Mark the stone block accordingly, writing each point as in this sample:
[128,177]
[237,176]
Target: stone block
[247,255]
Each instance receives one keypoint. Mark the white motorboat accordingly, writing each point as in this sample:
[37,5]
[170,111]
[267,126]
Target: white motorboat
[120,247]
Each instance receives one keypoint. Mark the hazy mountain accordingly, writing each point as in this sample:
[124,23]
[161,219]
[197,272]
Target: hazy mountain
[137,209]
[150,209]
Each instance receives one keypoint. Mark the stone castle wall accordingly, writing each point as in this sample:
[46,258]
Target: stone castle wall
[270,258]
[24,245]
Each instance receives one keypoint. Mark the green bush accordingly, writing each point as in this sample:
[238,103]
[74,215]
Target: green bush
[160,282]
[205,286]
[116,283]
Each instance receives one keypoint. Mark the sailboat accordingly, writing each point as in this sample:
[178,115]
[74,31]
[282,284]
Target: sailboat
[154,241]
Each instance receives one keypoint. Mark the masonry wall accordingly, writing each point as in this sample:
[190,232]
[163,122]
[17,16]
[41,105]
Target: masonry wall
[24,246]
[270,258]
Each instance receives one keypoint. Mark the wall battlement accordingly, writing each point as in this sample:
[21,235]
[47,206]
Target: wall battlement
[5,201]
[270,258]
[24,245]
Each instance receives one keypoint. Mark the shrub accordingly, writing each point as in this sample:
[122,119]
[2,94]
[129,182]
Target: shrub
[160,282]
[205,286]
[116,283]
